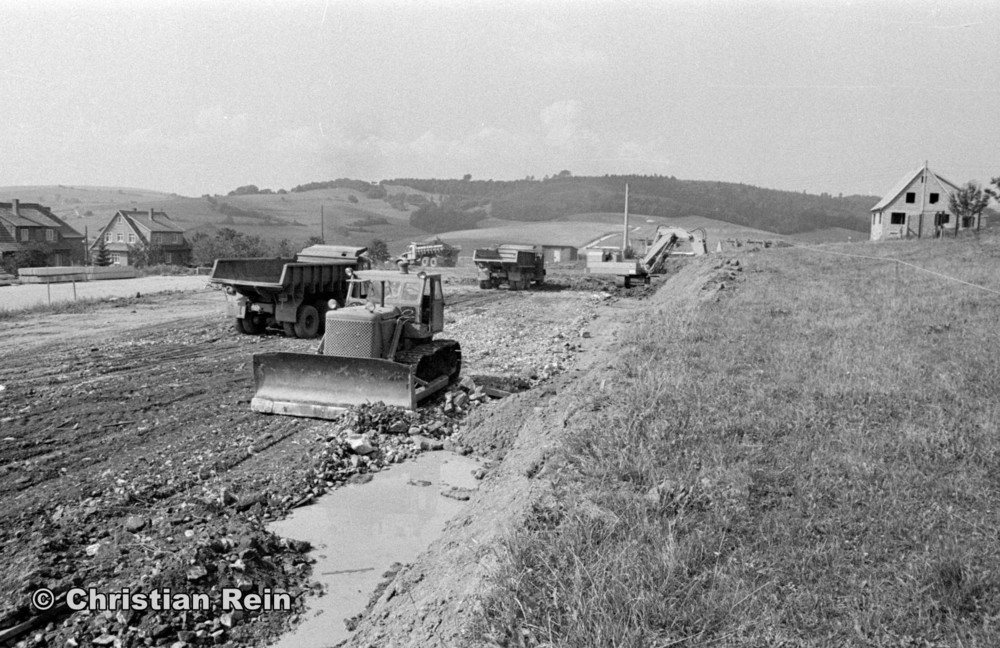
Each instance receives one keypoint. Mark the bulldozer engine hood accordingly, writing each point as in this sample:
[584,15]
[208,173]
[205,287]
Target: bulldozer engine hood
[364,313]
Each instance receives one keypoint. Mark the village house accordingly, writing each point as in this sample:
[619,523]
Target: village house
[130,231]
[917,207]
[27,226]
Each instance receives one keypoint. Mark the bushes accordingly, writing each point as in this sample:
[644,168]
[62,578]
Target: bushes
[444,218]
[31,255]
[226,243]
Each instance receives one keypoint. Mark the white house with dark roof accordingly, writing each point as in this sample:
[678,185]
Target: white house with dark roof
[917,207]
[129,230]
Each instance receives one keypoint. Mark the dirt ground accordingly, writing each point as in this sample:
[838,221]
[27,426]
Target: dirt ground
[131,462]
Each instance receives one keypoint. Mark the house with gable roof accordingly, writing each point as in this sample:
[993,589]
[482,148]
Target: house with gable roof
[24,226]
[917,207]
[131,230]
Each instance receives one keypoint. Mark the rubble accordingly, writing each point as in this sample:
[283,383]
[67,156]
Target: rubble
[138,465]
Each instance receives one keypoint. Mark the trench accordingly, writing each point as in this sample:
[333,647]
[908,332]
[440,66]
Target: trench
[360,530]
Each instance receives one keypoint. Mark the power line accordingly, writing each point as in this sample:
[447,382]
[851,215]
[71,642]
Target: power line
[901,262]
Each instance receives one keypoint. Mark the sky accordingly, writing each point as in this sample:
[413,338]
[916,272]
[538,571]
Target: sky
[196,97]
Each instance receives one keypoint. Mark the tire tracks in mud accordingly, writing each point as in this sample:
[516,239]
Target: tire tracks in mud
[73,411]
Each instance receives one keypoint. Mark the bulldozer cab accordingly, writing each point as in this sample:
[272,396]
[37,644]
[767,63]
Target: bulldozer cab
[417,296]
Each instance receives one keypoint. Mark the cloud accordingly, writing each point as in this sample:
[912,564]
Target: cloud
[215,121]
[562,122]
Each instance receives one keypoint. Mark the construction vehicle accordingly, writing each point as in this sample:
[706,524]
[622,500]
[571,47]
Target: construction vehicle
[518,266]
[434,254]
[291,293]
[379,347]
[666,242]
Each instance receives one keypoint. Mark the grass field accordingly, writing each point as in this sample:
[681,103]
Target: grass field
[809,460]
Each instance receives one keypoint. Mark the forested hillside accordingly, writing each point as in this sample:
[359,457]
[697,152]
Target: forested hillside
[784,212]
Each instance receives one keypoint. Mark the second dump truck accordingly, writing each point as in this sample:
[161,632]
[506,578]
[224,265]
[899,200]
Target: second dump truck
[291,293]
[518,266]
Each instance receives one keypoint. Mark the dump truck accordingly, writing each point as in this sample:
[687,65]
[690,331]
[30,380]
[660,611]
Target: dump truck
[666,242]
[379,347]
[518,266]
[437,253]
[291,293]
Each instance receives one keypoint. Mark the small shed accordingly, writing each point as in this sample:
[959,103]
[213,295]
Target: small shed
[559,253]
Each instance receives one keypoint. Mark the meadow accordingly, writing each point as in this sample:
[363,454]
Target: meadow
[806,458]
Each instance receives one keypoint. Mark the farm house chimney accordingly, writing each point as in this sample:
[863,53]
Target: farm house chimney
[152,216]
[15,206]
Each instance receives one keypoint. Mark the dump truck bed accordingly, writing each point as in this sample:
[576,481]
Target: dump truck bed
[317,268]
[522,256]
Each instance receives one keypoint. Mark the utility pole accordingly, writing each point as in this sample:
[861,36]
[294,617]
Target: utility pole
[322,219]
[923,201]
[625,228]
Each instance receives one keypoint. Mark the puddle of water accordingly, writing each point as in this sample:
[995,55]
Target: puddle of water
[358,531]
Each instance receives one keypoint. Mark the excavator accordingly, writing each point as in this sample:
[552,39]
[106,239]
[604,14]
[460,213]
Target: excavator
[665,243]
[379,347]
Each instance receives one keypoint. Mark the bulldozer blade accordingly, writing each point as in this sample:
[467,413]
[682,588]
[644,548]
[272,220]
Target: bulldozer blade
[322,386]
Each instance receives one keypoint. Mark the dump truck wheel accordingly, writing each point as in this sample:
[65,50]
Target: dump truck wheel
[307,325]
[424,261]
[434,262]
[238,325]
[484,285]
[321,307]
[253,325]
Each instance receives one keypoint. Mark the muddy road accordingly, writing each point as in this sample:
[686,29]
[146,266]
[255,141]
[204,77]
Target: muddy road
[130,459]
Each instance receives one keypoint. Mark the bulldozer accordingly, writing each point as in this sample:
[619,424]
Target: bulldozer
[379,347]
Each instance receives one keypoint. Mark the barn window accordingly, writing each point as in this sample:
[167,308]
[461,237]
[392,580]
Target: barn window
[107,238]
[25,234]
[120,237]
[911,197]
[897,218]
[940,218]
[934,198]
[131,237]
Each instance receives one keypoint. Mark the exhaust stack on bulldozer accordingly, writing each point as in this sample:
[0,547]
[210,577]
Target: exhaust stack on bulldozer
[379,347]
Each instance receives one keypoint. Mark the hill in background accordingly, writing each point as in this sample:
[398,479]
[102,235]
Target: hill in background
[561,209]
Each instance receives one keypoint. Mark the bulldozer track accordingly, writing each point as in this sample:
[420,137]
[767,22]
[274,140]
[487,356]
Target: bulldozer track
[433,359]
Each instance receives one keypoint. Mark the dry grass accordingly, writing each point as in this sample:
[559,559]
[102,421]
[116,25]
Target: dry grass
[810,461]
[82,305]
